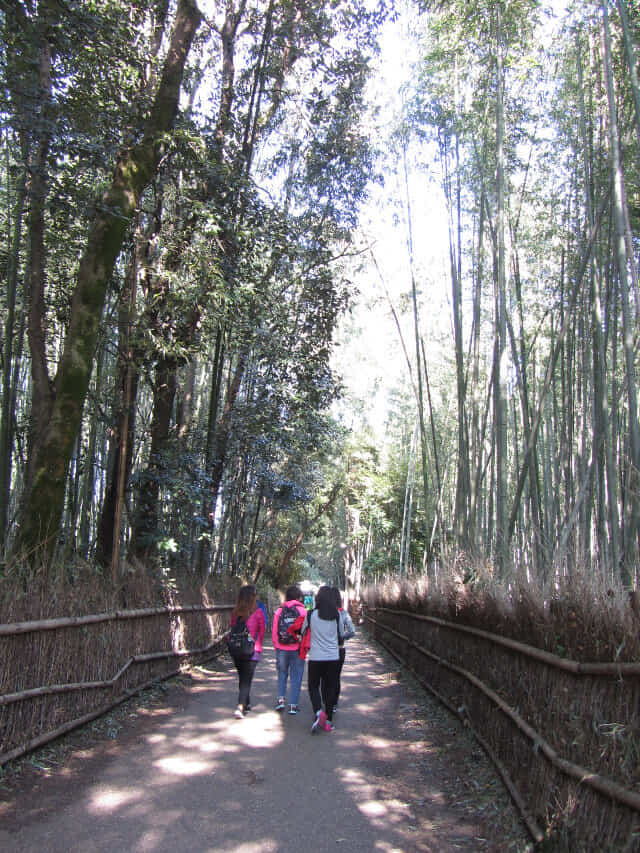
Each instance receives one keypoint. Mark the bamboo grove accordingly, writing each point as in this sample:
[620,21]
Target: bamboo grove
[523,458]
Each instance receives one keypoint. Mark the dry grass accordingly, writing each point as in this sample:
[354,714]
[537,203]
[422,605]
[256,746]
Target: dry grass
[580,618]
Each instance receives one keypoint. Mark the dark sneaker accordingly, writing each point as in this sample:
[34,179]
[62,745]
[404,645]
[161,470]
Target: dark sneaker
[293,709]
[280,704]
[317,725]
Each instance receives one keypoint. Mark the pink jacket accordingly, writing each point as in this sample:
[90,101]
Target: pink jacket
[291,647]
[256,627]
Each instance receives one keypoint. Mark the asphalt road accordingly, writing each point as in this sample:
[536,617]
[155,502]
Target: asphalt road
[190,777]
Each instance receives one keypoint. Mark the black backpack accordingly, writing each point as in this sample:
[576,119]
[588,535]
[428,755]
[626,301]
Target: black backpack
[241,643]
[288,616]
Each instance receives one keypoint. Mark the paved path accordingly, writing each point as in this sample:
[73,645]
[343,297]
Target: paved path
[192,778]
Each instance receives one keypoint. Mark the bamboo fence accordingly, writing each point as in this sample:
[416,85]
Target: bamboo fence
[57,674]
[563,734]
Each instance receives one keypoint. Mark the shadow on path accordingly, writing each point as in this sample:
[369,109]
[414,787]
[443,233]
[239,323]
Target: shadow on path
[193,778]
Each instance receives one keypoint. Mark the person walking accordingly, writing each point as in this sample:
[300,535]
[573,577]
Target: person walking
[247,610]
[324,625]
[289,664]
[347,631]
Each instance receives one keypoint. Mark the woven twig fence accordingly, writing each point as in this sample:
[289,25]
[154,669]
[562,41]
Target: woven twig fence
[58,674]
[564,735]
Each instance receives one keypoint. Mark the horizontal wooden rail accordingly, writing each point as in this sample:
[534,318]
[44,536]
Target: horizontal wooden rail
[575,667]
[39,741]
[575,771]
[74,621]
[51,689]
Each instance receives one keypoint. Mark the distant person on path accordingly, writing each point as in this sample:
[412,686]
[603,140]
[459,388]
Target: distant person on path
[347,631]
[263,607]
[247,609]
[289,664]
[324,625]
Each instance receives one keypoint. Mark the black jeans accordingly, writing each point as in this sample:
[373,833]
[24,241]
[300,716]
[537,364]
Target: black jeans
[323,680]
[245,668]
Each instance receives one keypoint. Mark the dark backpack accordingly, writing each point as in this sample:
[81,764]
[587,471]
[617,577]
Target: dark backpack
[241,643]
[288,616]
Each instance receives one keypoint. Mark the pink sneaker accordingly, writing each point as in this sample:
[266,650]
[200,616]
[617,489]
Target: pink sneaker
[328,727]
[322,719]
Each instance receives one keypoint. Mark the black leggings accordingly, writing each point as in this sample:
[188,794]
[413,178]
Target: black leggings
[340,665]
[323,678]
[246,669]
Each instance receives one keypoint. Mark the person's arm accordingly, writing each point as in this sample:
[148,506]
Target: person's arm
[296,628]
[348,630]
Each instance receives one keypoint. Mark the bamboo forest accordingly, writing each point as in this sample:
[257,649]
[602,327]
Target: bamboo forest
[344,290]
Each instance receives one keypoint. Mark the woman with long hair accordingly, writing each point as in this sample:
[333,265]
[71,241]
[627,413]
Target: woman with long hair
[247,610]
[347,631]
[324,625]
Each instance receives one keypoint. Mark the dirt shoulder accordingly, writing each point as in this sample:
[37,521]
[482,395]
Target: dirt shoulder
[173,770]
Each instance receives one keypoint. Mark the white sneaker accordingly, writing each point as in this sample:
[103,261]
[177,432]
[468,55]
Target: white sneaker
[238,713]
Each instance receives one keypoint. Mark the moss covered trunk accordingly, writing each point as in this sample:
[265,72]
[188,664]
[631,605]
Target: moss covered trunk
[42,509]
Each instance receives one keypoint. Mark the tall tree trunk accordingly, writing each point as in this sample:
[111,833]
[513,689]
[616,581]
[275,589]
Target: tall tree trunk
[145,524]
[500,382]
[632,499]
[42,394]
[9,347]
[122,431]
[416,331]
[463,481]
[223,429]
[207,508]
[135,169]
[633,67]
[82,521]
[601,441]
[477,437]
